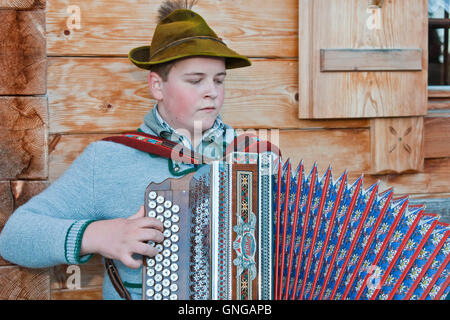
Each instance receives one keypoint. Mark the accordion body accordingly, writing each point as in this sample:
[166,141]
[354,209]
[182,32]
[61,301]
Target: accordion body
[254,228]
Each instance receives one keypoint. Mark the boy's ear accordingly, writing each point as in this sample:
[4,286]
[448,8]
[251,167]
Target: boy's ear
[155,85]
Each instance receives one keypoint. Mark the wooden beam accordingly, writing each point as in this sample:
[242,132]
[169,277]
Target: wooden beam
[23,132]
[23,59]
[22,4]
[370,60]
[396,145]
[437,134]
[18,283]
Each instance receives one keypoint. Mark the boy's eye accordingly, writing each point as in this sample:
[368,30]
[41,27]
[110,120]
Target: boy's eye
[194,81]
[219,81]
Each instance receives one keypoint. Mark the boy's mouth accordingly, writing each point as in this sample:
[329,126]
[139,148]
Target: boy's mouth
[208,109]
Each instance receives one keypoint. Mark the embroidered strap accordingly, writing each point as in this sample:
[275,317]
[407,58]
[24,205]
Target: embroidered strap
[175,151]
[158,146]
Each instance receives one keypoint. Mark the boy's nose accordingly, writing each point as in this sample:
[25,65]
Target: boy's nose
[211,90]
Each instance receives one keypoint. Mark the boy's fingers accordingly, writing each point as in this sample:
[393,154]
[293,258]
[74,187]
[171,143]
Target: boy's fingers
[146,250]
[139,214]
[150,235]
[131,263]
[148,222]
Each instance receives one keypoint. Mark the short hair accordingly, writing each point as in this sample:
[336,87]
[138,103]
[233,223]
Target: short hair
[163,69]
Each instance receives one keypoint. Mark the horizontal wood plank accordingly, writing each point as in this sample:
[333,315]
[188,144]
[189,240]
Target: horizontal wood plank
[6,208]
[81,294]
[76,277]
[255,29]
[95,95]
[370,60]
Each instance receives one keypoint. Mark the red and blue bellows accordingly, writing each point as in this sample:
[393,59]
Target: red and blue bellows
[335,240]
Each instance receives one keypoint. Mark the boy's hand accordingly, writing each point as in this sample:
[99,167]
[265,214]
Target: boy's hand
[121,238]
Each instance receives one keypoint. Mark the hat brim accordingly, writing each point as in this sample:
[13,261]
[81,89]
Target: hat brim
[197,47]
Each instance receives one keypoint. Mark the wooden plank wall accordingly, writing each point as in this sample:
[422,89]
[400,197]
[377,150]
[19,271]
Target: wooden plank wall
[91,90]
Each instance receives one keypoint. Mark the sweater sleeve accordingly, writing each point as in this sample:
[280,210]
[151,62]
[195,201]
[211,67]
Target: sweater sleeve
[47,230]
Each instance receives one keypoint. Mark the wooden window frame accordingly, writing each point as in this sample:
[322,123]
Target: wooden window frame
[441,91]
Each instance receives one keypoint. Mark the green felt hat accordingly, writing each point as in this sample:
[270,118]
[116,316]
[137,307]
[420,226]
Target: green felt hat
[184,33]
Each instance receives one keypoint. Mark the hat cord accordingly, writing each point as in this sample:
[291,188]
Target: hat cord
[171,44]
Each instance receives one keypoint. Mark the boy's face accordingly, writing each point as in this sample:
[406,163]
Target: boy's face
[193,93]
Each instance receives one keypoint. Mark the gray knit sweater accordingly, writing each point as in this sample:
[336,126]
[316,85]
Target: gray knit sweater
[106,181]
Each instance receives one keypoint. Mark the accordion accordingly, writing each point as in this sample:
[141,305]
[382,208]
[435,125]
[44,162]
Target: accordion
[253,227]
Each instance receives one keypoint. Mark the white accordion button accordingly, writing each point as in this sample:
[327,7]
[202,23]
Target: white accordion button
[160,218]
[167,204]
[175,218]
[158,267]
[158,287]
[152,214]
[173,297]
[167,224]
[158,277]
[174,267]
[150,292]
[165,292]
[173,287]
[166,272]
[167,233]
[173,277]
[167,214]
[160,199]
[152,204]
[167,243]
[159,209]
[166,262]
[175,208]
[174,248]
[150,262]
[174,257]
[152,195]
[175,228]
[158,257]
[158,296]
[150,283]
[150,272]
[174,238]
[166,283]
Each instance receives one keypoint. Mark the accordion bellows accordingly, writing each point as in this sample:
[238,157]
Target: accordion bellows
[336,240]
[254,229]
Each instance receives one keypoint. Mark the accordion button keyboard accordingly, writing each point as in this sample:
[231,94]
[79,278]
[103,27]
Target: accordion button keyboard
[162,268]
